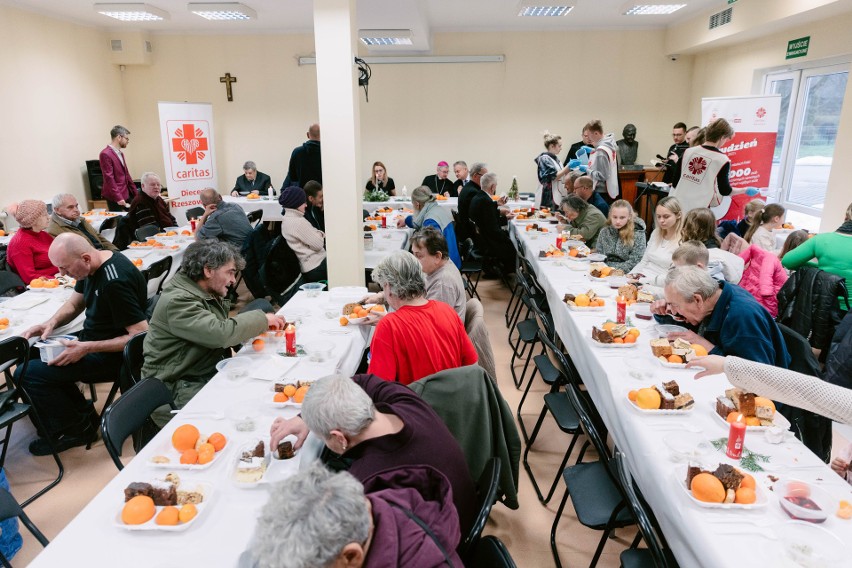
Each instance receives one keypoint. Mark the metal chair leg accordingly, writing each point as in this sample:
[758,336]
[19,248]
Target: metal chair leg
[559,511]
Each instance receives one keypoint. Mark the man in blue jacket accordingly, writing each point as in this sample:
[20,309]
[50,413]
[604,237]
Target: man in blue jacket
[729,319]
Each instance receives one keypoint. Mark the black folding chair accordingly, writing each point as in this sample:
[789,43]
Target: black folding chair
[133,359]
[595,493]
[130,413]
[194,213]
[657,555]
[9,281]
[490,552]
[541,363]
[9,508]
[254,217]
[486,493]
[15,352]
[471,266]
[146,232]
[159,269]
[109,223]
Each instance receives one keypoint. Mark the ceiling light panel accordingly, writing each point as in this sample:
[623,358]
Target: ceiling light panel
[385,37]
[651,9]
[222,11]
[539,11]
[132,12]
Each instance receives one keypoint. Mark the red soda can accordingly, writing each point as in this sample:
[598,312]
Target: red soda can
[290,339]
[621,309]
[736,438]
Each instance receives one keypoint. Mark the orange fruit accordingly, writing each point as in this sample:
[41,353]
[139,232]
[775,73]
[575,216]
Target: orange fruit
[599,302]
[206,455]
[36,283]
[618,340]
[2,233]
[745,496]
[187,513]
[632,395]
[344,320]
[707,488]
[699,350]
[4,321]
[633,331]
[189,457]
[748,481]
[280,397]
[51,283]
[138,510]
[205,447]
[605,271]
[752,421]
[582,300]
[648,399]
[377,308]
[290,390]
[629,338]
[675,359]
[217,440]
[168,516]
[732,417]
[608,326]
[185,437]
[258,344]
[300,393]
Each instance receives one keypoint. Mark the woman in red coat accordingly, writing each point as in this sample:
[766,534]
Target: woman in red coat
[27,252]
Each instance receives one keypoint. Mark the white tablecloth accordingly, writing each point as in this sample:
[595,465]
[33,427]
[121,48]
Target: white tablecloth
[35,307]
[151,255]
[222,531]
[97,218]
[694,533]
[271,208]
[385,242]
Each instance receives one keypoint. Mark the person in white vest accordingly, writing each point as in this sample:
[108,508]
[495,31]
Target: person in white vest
[704,170]
[603,165]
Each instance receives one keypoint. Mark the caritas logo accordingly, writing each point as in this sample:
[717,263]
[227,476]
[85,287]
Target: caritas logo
[190,149]
[697,166]
[761,112]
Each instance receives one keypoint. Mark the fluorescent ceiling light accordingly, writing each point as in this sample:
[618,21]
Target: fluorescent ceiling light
[385,37]
[223,11]
[132,12]
[544,10]
[632,9]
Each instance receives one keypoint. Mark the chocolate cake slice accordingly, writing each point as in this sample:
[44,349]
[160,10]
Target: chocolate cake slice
[601,335]
[672,387]
[746,404]
[729,476]
[137,488]
[164,493]
[724,406]
[691,472]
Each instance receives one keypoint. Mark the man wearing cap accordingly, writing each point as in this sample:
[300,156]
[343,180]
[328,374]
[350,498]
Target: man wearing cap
[439,183]
[66,218]
[306,241]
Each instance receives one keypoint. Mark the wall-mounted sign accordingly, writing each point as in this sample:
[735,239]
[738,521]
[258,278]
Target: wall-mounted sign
[798,47]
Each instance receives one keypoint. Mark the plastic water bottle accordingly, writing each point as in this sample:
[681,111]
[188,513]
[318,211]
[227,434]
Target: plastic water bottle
[404,191]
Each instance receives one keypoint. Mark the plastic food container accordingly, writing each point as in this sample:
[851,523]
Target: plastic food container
[312,289]
[804,501]
[50,348]
[664,330]
[319,351]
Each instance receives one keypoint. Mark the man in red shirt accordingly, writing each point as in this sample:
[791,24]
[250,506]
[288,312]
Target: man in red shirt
[420,337]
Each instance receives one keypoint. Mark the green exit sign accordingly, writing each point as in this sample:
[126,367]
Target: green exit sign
[798,47]
[731,1]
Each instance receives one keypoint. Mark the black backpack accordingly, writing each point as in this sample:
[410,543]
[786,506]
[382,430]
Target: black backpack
[281,270]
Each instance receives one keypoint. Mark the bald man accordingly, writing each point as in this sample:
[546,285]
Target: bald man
[222,220]
[305,161]
[113,294]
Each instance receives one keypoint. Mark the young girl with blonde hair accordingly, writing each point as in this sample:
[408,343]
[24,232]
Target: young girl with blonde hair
[665,238]
[622,240]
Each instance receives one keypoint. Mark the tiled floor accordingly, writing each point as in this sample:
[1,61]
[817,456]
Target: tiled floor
[525,531]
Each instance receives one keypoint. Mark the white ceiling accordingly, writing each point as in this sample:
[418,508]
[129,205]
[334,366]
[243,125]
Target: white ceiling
[421,16]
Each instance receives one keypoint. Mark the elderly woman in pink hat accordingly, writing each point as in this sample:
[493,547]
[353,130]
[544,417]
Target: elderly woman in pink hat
[27,252]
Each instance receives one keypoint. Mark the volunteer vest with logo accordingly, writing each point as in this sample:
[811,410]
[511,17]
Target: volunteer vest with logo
[697,187]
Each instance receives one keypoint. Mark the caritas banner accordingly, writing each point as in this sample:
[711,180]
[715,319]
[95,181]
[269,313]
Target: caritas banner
[187,133]
[755,123]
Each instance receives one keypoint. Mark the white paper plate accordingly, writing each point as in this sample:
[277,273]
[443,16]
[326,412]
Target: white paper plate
[679,477]
[267,397]
[586,309]
[236,461]
[140,247]
[794,537]
[166,449]
[778,420]
[658,412]
[612,345]
[151,525]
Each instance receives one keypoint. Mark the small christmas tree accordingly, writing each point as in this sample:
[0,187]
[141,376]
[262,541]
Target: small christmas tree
[513,191]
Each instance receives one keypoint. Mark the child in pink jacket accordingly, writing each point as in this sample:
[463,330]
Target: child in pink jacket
[763,276]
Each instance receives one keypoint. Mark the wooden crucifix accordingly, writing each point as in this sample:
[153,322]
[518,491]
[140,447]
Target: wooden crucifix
[227,79]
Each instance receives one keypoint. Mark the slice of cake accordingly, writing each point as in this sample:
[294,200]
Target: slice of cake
[137,488]
[252,464]
[667,401]
[729,476]
[190,497]
[724,406]
[628,291]
[683,401]
[285,450]
[661,347]
[746,404]
[672,387]
[601,335]
[643,296]
[691,472]
[164,493]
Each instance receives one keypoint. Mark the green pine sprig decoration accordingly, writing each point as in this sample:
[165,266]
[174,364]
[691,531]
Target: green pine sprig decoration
[750,460]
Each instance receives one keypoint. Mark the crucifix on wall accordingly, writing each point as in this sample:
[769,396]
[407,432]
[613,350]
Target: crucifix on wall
[227,79]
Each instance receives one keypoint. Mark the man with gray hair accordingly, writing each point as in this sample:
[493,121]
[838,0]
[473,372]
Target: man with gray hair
[118,187]
[420,337]
[729,320]
[66,218]
[222,220]
[148,207]
[252,181]
[466,194]
[333,523]
[191,329]
[489,220]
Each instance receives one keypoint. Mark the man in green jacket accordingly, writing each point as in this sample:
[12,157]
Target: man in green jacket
[191,330]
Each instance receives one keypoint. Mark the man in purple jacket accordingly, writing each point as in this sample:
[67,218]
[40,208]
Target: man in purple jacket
[119,189]
[331,522]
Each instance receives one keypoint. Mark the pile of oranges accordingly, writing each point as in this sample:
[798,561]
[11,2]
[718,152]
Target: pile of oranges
[583,301]
[297,394]
[43,282]
[631,336]
[361,312]
[137,262]
[708,488]
[193,448]
[141,509]
[253,196]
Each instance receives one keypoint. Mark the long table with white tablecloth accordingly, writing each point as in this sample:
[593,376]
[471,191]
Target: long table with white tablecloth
[698,536]
[97,538]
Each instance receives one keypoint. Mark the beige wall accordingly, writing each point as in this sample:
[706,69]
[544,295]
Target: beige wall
[59,98]
[733,70]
